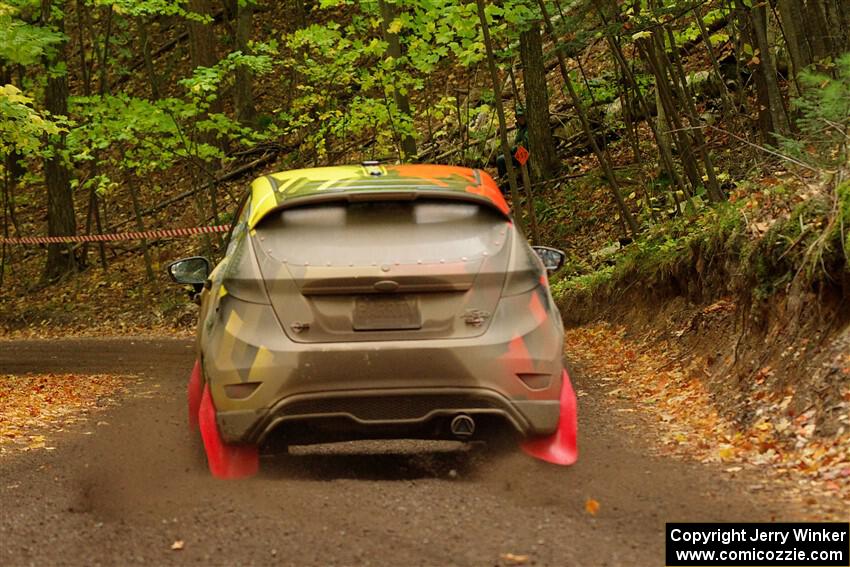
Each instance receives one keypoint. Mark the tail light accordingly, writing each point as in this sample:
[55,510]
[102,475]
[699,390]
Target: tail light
[525,270]
[241,275]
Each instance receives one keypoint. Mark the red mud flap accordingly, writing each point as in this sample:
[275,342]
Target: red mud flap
[560,448]
[196,390]
[225,461]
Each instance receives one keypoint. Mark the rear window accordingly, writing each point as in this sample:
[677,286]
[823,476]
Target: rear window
[383,232]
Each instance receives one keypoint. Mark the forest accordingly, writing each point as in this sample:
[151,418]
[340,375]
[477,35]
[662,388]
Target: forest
[103,103]
[689,156]
[120,115]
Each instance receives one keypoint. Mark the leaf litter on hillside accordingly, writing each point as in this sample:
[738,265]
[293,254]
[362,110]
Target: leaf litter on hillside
[33,406]
[668,385]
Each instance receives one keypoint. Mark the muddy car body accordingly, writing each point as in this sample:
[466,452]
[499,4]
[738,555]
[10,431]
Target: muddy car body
[375,302]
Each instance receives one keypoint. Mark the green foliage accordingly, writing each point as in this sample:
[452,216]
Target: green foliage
[22,43]
[22,127]
[662,253]
[808,247]
[691,31]
[585,284]
[824,123]
[124,134]
[153,8]
[347,81]
[206,83]
[602,89]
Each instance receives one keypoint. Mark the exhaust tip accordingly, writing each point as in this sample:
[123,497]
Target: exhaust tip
[463,426]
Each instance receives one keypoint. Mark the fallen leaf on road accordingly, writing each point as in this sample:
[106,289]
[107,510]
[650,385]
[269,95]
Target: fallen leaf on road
[512,559]
[40,402]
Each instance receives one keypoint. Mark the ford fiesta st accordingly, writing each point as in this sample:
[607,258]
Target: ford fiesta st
[373,302]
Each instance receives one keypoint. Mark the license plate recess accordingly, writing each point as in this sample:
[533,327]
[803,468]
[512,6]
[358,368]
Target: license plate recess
[386,313]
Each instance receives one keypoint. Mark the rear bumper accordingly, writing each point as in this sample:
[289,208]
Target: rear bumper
[512,372]
[409,412]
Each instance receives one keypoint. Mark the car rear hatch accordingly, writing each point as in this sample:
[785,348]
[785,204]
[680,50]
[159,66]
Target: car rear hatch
[372,270]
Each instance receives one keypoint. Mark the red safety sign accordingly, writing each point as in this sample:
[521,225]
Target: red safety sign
[521,155]
[148,234]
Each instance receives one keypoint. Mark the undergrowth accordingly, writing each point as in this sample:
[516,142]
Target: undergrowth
[769,241]
[790,235]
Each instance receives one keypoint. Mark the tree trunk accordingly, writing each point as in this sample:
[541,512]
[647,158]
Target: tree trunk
[231,13]
[652,52]
[500,112]
[665,147]
[85,70]
[140,226]
[843,11]
[147,57]
[725,97]
[767,67]
[602,156]
[60,201]
[820,11]
[402,102]
[6,186]
[202,49]
[14,171]
[103,54]
[12,162]
[685,94]
[798,48]
[529,205]
[243,92]
[816,30]
[544,161]
[665,152]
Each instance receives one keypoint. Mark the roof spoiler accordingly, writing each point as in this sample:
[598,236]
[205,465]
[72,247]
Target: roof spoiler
[365,195]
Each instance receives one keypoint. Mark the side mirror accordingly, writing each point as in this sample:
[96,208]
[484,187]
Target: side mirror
[194,270]
[552,258]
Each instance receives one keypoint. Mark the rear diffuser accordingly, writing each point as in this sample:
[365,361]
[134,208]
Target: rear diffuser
[225,461]
[195,392]
[561,447]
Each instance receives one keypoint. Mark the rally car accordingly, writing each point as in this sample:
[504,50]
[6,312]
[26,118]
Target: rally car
[371,302]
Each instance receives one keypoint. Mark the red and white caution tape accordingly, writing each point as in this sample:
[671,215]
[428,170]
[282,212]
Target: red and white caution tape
[148,234]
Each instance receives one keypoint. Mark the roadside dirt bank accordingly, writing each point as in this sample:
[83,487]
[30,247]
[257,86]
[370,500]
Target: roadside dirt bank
[760,386]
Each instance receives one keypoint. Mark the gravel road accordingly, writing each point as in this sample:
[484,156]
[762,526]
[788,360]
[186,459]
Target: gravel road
[122,488]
